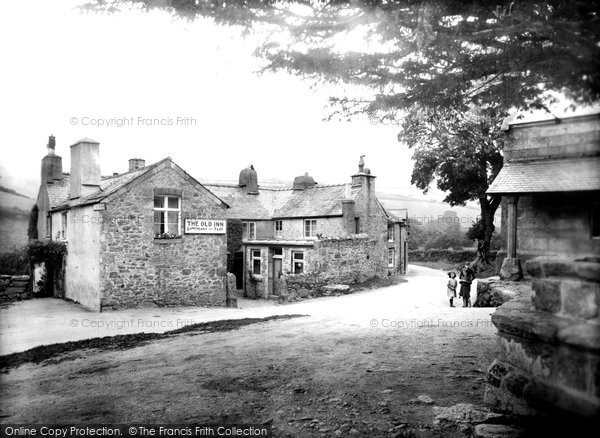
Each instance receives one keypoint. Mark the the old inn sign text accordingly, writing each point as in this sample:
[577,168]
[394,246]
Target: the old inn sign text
[205,226]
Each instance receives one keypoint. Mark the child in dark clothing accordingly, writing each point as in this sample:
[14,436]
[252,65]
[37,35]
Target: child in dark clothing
[466,278]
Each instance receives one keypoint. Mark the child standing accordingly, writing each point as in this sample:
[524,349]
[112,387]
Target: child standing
[452,283]
[466,278]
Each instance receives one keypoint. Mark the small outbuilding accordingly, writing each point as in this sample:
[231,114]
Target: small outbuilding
[549,358]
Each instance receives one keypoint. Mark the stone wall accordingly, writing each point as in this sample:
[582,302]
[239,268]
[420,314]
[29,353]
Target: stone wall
[555,223]
[14,288]
[575,136]
[137,269]
[326,226]
[344,260]
[552,223]
[493,292]
[351,259]
[549,343]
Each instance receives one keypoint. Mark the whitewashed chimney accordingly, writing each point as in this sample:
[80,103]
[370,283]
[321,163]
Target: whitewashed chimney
[85,168]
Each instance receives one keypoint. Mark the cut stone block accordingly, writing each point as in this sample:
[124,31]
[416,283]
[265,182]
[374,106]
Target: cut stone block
[511,269]
[547,295]
[579,298]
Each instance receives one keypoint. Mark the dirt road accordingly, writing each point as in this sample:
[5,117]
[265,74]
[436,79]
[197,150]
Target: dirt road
[354,367]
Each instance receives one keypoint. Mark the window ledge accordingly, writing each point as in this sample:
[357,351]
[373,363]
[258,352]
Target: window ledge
[167,241]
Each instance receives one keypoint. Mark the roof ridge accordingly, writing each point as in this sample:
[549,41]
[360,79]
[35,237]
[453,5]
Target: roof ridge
[219,185]
[124,173]
[322,186]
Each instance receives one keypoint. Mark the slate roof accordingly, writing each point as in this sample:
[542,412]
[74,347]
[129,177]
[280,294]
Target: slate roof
[58,191]
[108,185]
[111,184]
[243,205]
[317,201]
[558,175]
[270,203]
[391,216]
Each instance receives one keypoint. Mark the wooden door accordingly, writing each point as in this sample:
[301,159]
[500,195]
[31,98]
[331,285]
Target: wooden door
[277,272]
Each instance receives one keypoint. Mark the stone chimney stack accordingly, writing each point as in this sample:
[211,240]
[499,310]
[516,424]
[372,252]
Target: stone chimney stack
[364,177]
[303,182]
[51,145]
[136,163]
[348,215]
[51,164]
[249,180]
[366,181]
[85,168]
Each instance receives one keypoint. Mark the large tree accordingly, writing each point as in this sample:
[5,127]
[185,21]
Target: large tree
[438,54]
[461,152]
[448,71]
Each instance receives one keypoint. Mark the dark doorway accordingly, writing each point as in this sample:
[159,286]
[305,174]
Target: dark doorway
[238,269]
[276,271]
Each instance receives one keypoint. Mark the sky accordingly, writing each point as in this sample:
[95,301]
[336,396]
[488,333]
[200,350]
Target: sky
[147,86]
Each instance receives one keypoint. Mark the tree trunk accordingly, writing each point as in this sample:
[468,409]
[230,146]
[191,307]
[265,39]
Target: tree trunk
[488,209]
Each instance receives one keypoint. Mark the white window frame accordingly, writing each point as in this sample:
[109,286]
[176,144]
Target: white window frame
[391,232]
[391,257]
[312,228]
[246,228]
[279,230]
[294,260]
[49,226]
[165,212]
[253,258]
[64,219]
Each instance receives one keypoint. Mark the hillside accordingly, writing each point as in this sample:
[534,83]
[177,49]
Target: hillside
[423,210]
[14,219]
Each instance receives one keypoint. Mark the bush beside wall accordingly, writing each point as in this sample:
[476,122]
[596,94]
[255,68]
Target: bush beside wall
[449,255]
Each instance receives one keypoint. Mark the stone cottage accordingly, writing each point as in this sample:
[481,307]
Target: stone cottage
[549,358]
[152,235]
[309,235]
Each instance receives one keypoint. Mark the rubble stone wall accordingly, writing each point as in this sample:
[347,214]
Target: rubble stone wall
[137,269]
[14,288]
[344,260]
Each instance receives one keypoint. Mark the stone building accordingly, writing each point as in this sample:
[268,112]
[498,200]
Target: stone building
[155,235]
[549,343]
[152,235]
[309,235]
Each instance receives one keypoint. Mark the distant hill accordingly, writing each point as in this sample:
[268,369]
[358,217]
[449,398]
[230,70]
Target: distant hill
[12,192]
[12,200]
[14,219]
[424,211]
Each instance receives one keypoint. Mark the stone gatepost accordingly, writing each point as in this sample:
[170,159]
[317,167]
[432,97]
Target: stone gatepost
[549,342]
[511,266]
